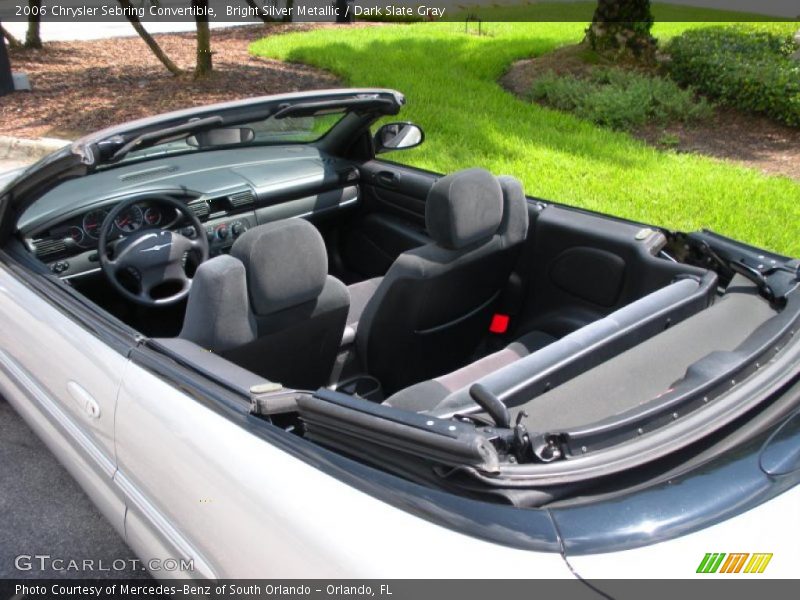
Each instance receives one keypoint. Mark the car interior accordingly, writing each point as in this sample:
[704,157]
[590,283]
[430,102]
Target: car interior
[399,316]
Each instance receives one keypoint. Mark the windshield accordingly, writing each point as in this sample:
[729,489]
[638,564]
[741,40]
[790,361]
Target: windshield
[301,129]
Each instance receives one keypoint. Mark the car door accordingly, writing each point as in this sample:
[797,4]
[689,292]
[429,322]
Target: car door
[393,220]
[62,378]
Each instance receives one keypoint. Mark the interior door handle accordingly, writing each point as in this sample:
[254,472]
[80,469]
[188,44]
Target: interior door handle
[387,178]
[84,400]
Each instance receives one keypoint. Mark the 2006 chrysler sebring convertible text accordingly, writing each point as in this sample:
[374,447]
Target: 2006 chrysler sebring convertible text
[260,348]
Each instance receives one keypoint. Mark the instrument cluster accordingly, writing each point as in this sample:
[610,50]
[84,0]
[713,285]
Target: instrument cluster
[84,231]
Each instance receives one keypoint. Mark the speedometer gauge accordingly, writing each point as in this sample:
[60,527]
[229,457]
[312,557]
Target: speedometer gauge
[152,216]
[92,222]
[130,220]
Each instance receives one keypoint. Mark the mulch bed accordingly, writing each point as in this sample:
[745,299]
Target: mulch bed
[79,87]
[751,140]
[747,139]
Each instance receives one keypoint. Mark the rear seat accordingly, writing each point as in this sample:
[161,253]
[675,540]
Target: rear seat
[537,362]
[424,395]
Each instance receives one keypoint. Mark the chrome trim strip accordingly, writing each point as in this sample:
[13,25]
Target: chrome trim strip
[328,208]
[81,274]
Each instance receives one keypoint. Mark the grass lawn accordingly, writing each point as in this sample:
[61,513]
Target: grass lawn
[450,81]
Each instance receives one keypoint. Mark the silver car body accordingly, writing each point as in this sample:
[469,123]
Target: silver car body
[177,480]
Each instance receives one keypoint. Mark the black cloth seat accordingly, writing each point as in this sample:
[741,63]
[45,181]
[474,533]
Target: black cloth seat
[270,306]
[430,312]
[426,395]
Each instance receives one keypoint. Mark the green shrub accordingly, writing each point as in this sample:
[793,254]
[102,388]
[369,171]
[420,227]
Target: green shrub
[747,68]
[619,99]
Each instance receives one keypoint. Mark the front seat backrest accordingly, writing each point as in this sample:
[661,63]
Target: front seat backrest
[433,307]
[270,306]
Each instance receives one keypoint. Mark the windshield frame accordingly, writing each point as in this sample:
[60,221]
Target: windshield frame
[158,150]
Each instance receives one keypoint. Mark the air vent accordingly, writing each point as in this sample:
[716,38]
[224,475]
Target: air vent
[240,199]
[148,173]
[199,208]
[49,248]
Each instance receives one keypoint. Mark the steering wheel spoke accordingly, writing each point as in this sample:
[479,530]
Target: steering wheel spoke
[197,245]
[153,257]
[153,277]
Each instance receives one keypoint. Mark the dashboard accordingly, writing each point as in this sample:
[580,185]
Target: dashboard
[229,190]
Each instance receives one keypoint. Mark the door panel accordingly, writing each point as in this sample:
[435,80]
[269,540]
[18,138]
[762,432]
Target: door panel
[392,220]
[399,186]
[376,240]
[582,267]
[398,203]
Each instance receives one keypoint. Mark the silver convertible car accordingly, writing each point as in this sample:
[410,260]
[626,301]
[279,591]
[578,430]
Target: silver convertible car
[260,348]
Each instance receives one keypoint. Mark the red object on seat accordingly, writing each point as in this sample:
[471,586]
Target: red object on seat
[499,323]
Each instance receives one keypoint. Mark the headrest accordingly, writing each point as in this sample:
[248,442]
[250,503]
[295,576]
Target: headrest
[463,208]
[286,264]
[514,226]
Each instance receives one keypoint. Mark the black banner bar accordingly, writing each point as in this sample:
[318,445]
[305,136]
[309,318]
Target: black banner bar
[241,11]
[741,588]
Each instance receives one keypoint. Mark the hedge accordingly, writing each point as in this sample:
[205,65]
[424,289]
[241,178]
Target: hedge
[744,67]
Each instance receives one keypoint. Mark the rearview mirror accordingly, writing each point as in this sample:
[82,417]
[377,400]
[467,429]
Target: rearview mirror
[397,136]
[223,136]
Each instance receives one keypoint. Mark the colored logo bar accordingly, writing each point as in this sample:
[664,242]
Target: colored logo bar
[735,562]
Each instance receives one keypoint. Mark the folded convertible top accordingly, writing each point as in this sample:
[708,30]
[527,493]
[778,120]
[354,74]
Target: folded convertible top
[341,421]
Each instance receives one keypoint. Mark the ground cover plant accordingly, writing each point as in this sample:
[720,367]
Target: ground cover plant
[619,98]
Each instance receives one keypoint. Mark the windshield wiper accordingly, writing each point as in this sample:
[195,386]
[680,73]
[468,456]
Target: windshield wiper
[168,134]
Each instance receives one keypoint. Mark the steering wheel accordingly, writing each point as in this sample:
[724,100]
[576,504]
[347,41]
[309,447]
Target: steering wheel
[152,256]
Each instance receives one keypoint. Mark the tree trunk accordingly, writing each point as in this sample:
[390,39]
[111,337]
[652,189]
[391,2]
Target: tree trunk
[6,80]
[622,27]
[32,38]
[203,65]
[342,14]
[148,39]
[12,41]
